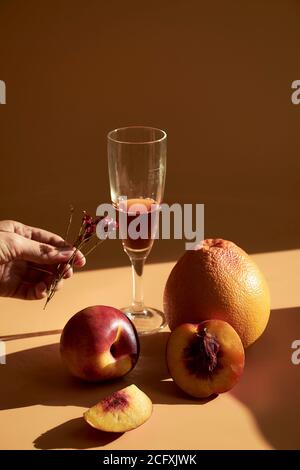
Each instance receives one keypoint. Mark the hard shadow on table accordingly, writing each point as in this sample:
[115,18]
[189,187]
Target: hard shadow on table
[74,434]
[271,383]
[37,376]
[30,335]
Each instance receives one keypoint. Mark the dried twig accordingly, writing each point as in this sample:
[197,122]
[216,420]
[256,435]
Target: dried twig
[86,235]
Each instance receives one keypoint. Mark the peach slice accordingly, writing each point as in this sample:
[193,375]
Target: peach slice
[206,358]
[120,412]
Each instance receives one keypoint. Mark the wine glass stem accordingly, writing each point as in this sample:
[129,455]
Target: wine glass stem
[137,266]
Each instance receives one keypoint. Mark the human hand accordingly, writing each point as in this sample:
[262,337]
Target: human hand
[28,257]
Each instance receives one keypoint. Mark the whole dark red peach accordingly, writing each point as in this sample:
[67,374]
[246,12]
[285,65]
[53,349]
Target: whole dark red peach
[99,343]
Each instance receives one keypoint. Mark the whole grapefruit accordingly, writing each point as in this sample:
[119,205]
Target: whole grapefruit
[218,280]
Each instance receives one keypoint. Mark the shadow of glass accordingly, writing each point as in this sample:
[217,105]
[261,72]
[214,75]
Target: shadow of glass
[270,384]
[74,434]
[37,376]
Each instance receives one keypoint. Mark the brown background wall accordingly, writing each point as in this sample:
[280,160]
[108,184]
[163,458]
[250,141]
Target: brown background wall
[215,75]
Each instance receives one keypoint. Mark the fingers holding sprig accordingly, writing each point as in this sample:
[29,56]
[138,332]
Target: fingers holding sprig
[49,238]
[40,290]
[79,259]
[44,253]
[36,290]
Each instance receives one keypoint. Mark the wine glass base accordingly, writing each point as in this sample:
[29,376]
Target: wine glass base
[147,322]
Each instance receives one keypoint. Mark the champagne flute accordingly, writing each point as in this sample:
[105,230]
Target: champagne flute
[137,168]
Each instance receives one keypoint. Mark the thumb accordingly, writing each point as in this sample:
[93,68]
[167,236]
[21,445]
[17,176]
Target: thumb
[41,253]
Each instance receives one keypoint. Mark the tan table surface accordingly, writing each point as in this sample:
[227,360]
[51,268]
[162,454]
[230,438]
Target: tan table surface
[41,406]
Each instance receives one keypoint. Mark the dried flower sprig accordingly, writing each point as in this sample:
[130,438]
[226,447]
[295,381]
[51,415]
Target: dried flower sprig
[86,241]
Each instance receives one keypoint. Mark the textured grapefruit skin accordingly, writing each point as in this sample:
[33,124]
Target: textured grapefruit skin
[218,280]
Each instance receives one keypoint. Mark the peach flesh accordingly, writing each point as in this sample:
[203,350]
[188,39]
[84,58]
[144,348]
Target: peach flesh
[116,401]
[205,359]
[122,411]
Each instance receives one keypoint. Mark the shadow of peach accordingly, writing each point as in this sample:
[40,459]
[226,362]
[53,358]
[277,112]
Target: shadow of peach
[37,376]
[270,384]
[74,434]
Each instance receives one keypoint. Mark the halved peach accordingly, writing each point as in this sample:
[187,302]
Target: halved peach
[206,358]
[120,412]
